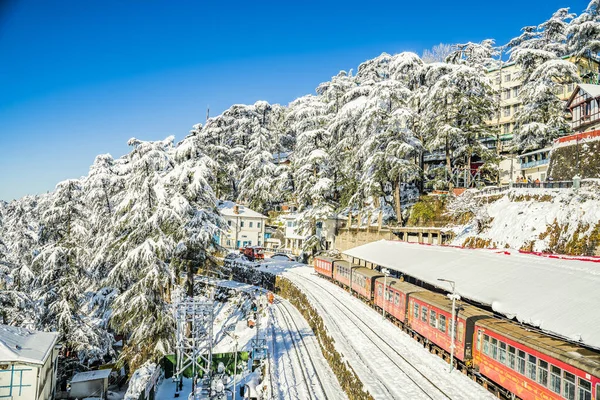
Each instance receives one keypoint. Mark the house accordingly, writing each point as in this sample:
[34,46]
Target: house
[584,105]
[28,363]
[326,231]
[90,384]
[246,227]
[534,164]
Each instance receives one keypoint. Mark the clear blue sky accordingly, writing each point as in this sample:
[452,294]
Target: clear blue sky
[79,78]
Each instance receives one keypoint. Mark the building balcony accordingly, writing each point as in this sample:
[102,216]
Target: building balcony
[534,164]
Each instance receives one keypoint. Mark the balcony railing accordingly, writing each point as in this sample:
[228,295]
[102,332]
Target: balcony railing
[536,163]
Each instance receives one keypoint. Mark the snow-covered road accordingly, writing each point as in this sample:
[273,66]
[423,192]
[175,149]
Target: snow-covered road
[390,364]
[299,370]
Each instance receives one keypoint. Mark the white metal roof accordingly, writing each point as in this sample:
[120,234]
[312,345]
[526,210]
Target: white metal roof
[561,296]
[593,90]
[25,346]
[91,375]
[227,208]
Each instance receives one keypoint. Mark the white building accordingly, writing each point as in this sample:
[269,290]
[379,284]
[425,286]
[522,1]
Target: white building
[28,361]
[246,226]
[325,230]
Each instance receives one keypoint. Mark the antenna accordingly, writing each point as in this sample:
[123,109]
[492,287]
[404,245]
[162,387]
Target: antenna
[207,112]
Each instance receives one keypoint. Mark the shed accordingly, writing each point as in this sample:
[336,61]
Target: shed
[90,384]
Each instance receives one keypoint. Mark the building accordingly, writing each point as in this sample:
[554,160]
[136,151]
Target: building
[584,105]
[246,227]
[326,231]
[28,362]
[534,164]
[90,384]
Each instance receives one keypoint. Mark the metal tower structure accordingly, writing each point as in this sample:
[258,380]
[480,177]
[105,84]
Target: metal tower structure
[194,339]
[259,344]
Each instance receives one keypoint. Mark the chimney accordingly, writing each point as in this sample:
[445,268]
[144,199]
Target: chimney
[236,209]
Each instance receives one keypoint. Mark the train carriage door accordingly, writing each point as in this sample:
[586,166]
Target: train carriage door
[597,391]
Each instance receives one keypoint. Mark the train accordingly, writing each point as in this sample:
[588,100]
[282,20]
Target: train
[510,359]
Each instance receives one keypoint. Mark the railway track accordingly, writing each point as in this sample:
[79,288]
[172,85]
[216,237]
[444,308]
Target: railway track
[309,374]
[425,385]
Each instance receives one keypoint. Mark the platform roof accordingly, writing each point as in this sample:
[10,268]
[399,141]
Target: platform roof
[558,295]
[20,345]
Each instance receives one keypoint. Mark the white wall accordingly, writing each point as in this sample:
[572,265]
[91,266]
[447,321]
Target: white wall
[29,382]
[250,230]
[505,169]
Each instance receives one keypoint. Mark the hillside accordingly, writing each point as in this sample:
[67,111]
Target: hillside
[565,221]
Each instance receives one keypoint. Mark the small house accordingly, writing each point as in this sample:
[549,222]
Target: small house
[90,384]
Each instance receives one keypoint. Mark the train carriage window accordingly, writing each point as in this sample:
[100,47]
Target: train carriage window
[494,348]
[416,313]
[568,386]
[461,332]
[478,340]
[502,353]
[555,382]
[521,362]
[511,357]
[442,324]
[433,319]
[486,345]
[543,373]
[424,314]
[532,367]
[584,390]
[397,300]
[379,290]
[597,391]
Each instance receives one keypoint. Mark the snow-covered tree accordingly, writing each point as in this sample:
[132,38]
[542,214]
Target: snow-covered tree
[437,53]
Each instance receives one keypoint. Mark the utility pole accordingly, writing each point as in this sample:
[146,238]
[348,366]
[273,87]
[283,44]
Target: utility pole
[385,273]
[231,328]
[453,296]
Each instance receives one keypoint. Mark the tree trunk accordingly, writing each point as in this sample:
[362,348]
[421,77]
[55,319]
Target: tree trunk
[449,165]
[397,204]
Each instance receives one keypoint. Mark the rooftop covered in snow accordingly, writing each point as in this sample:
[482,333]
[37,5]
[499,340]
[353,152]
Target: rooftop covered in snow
[20,345]
[231,209]
[91,375]
[558,295]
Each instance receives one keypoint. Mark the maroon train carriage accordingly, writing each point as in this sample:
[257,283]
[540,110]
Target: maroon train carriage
[324,266]
[430,315]
[363,281]
[342,271]
[395,295]
[532,365]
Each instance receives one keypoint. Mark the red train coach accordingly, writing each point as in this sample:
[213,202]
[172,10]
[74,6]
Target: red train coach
[363,280]
[324,266]
[430,315]
[532,365]
[342,271]
[395,296]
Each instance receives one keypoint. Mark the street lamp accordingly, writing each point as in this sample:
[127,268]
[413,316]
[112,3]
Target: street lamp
[452,296]
[229,333]
[385,273]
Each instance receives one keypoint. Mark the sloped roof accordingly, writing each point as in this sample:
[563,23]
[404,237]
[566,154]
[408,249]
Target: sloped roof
[91,375]
[592,90]
[226,208]
[558,295]
[26,346]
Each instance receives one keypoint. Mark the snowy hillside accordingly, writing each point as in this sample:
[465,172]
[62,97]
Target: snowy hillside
[543,220]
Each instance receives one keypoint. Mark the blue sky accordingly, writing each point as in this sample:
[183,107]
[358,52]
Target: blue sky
[79,78]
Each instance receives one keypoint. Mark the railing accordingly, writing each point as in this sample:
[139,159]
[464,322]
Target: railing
[532,164]
[545,185]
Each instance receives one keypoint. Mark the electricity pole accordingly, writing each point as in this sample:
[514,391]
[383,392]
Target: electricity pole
[453,296]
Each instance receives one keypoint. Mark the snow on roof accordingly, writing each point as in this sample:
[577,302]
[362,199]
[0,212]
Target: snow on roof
[557,295]
[227,208]
[91,375]
[25,346]
[593,90]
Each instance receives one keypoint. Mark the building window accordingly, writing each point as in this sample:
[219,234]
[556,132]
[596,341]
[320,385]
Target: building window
[424,314]
[507,78]
[543,373]
[250,224]
[584,390]
[442,325]
[506,129]
[555,383]
[568,386]
[516,92]
[506,94]
[290,224]
[258,225]
[433,319]
[229,223]
[507,111]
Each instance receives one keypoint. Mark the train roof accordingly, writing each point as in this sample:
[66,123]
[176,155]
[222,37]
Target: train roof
[558,295]
[577,356]
[325,258]
[367,272]
[342,262]
[404,287]
[465,310]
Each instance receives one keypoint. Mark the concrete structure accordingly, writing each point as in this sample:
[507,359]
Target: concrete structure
[349,238]
[534,164]
[90,384]
[294,238]
[28,362]
[584,105]
[246,226]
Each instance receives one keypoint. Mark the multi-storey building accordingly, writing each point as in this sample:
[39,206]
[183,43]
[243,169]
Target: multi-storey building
[246,227]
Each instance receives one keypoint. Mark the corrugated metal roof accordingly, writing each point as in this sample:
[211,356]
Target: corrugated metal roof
[557,295]
[24,345]
[91,375]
